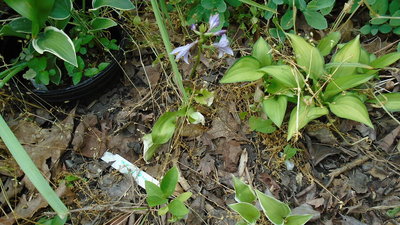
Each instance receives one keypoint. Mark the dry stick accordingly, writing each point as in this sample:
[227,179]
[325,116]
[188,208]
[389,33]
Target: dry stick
[347,167]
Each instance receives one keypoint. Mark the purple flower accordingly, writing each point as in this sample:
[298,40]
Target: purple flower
[183,51]
[193,27]
[213,21]
[223,46]
[219,33]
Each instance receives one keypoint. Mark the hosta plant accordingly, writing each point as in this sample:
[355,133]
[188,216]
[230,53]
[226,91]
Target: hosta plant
[46,25]
[311,87]
[276,211]
[159,195]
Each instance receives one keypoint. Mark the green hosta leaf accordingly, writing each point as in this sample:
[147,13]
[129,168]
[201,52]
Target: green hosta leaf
[285,75]
[101,23]
[120,4]
[177,208]
[261,125]
[261,51]
[247,211]
[36,11]
[6,30]
[184,196]
[21,24]
[243,192]
[327,43]
[391,101]
[287,20]
[56,42]
[219,5]
[300,118]
[340,84]
[350,53]
[244,69]
[61,9]
[385,60]
[149,148]
[350,107]
[154,194]
[297,219]
[164,128]
[169,181]
[275,210]
[275,108]
[315,19]
[307,56]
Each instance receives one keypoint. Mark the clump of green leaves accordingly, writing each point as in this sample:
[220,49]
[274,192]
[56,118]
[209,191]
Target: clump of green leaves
[276,211]
[385,17]
[341,87]
[159,195]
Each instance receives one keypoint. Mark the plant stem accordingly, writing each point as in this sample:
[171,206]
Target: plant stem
[168,48]
[30,169]
[198,56]
[164,9]
[8,74]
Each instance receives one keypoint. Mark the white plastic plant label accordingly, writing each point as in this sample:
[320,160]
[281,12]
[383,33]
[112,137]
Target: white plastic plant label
[126,167]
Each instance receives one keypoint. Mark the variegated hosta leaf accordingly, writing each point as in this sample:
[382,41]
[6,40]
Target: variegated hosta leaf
[298,219]
[349,53]
[243,192]
[61,9]
[101,23]
[275,210]
[247,211]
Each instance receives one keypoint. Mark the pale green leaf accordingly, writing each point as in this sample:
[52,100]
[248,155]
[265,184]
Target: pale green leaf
[261,51]
[350,107]
[56,42]
[391,101]
[244,69]
[275,210]
[349,53]
[275,108]
[116,4]
[337,85]
[327,43]
[155,195]
[61,9]
[101,23]
[177,208]
[261,125]
[385,60]
[184,196]
[164,128]
[307,56]
[169,181]
[243,192]
[297,219]
[285,75]
[247,211]
[162,211]
[149,148]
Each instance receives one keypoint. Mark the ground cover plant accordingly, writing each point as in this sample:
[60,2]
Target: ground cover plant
[230,119]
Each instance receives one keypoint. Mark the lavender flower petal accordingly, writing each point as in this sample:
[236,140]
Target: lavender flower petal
[183,51]
[223,46]
[219,33]
[213,21]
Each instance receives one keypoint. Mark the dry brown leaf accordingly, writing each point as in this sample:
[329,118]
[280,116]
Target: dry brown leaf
[231,152]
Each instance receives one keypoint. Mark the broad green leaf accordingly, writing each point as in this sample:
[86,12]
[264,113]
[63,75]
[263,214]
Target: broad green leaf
[315,19]
[391,101]
[320,4]
[6,30]
[119,4]
[385,28]
[155,195]
[164,128]
[347,65]
[219,5]
[261,125]
[169,181]
[385,60]
[275,108]
[162,211]
[184,196]
[102,23]
[301,115]
[57,43]
[287,20]
[247,211]
[307,56]
[261,51]
[366,29]
[394,22]
[21,24]
[43,77]
[90,72]
[36,11]
[393,7]
[177,208]
[290,152]
[297,219]
[350,53]
[243,192]
[327,43]
[76,77]
[149,148]
[244,69]
[275,210]
[350,107]
[285,75]
[337,85]
[61,9]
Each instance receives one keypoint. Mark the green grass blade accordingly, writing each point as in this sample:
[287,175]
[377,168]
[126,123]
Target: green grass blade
[30,169]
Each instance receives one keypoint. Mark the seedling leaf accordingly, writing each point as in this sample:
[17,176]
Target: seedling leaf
[169,182]
[275,210]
